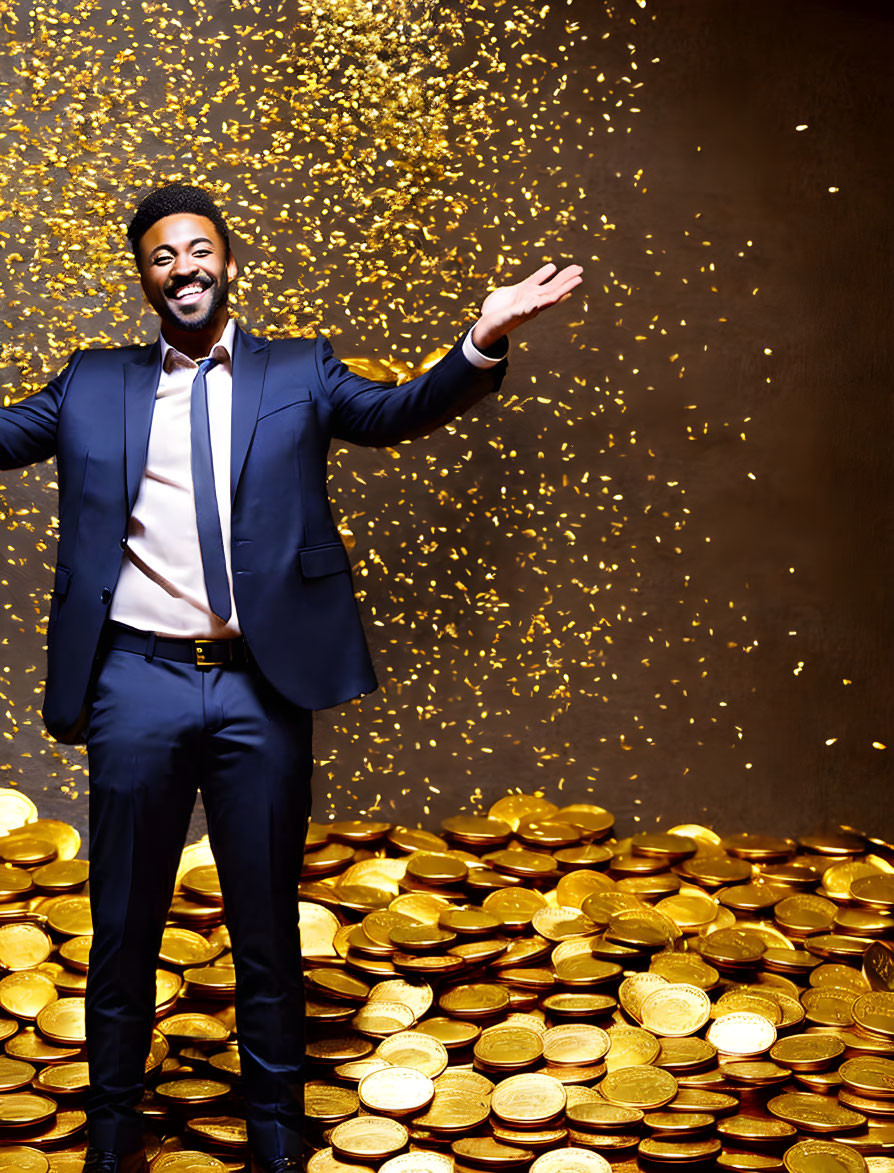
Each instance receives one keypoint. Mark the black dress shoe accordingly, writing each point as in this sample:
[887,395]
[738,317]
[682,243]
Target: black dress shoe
[98,1161]
[277,1165]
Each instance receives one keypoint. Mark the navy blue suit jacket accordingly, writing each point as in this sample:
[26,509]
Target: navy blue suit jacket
[291,575]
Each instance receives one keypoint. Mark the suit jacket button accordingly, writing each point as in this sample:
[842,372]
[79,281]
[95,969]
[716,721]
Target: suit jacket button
[106,596]
[123,543]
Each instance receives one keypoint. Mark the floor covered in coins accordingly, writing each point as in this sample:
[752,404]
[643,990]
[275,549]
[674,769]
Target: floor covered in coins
[521,990]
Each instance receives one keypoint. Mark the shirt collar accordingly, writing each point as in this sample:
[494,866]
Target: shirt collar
[222,350]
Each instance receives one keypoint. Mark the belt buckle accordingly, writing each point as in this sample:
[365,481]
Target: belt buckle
[203,656]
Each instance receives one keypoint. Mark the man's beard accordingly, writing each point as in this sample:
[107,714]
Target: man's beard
[219,297]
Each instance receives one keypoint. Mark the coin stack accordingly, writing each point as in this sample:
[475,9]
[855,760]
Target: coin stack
[522,991]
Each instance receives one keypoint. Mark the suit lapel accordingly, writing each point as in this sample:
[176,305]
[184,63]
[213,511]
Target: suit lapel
[140,384]
[250,356]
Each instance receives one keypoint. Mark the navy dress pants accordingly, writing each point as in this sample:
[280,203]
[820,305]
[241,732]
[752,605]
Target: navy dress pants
[159,731]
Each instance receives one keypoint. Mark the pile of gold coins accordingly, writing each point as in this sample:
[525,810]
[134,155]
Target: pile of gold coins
[522,991]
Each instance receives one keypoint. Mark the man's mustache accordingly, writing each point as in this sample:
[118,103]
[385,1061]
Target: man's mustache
[173,286]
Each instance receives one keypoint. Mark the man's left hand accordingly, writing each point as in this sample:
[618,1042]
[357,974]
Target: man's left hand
[511,305]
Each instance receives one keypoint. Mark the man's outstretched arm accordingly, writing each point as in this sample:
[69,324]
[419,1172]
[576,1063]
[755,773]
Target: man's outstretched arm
[371,413]
[28,429]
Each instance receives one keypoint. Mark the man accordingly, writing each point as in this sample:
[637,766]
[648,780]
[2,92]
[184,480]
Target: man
[202,608]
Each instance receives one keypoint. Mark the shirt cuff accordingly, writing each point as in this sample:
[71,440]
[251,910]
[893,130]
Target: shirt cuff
[483,359]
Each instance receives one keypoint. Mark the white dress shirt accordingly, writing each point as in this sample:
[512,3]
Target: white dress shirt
[161,586]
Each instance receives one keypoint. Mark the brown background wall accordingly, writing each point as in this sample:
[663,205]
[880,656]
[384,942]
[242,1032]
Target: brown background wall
[655,574]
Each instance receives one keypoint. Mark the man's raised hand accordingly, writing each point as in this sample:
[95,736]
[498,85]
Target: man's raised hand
[511,305]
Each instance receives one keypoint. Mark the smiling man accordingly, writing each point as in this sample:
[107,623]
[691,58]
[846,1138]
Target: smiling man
[202,609]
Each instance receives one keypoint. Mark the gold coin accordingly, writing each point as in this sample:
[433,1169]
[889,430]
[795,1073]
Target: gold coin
[422,1052]
[62,1022]
[192,1091]
[188,1161]
[358,830]
[321,1011]
[528,1099]
[23,945]
[469,922]
[561,923]
[334,983]
[325,1161]
[838,878]
[423,907]
[480,952]
[642,1087]
[475,1000]
[487,1153]
[571,1160]
[575,888]
[26,850]
[70,916]
[225,1131]
[688,1152]
[803,914]
[676,1010]
[807,1052]
[338,1049]
[665,1125]
[754,1073]
[732,947]
[327,1103]
[380,1018]
[326,860]
[410,839]
[633,991]
[741,1034]
[630,1046]
[205,981]
[22,1159]
[875,1012]
[869,1076]
[828,1006]
[874,891]
[396,1091]
[715,871]
[28,1045]
[689,910]
[449,1031]
[601,1116]
[694,1099]
[376,872]
[317,927]
[744,1162]
[749,1001]
[368,1138]
[416,995]
[436,868]
[508,1047]
[24,994]
[577,1006]
[15,883]
[687,968]
[865,1104]
[684,1054]
[63,1079]
[25,1110]
[514,807]
[822,1156]
[418,1162]
[814,1113]
[577,1044]
[353,1072]
[514,907]
[64,1128]
[16,809]
[416,938]
[14,1074]
[755,1130]
[62,875]
[197,1028]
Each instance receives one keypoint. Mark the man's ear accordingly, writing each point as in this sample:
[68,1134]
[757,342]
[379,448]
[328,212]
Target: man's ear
[232,268]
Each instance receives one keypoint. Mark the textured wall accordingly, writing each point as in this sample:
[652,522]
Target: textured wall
[654,571]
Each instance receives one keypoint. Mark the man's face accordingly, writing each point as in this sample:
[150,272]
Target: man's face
[184,270]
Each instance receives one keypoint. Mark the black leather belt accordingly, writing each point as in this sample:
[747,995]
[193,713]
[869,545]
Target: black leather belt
[202,653]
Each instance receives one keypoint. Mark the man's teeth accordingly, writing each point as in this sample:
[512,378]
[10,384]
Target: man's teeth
[189,291]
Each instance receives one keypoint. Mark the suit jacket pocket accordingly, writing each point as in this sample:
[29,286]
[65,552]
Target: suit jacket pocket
[279,396]
[318,561]
[62,582]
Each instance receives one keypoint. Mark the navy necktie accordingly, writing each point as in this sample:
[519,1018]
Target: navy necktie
[207,517]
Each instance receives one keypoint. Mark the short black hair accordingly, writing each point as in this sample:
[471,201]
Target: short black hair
[171,200]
